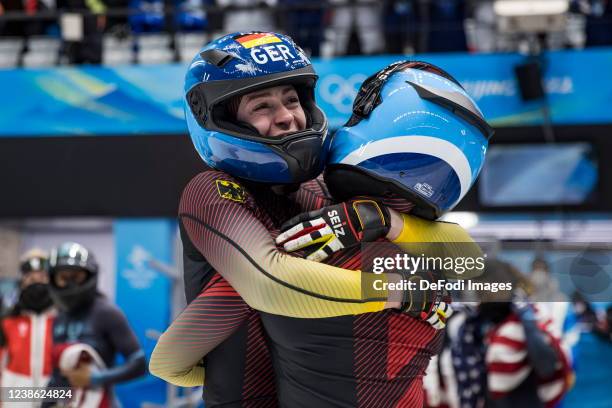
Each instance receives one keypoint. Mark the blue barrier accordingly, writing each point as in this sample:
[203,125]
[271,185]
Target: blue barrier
[593,374]
[147,99]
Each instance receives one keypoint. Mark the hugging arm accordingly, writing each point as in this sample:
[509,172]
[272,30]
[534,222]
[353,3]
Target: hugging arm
[206,322]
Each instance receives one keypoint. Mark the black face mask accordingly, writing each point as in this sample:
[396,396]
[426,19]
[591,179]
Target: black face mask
[35,297]
[75,298]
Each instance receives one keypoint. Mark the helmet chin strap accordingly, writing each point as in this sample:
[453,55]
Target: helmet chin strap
[303,156]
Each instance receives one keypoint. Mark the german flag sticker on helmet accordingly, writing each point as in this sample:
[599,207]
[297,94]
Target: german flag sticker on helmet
[231,191]
[255,39]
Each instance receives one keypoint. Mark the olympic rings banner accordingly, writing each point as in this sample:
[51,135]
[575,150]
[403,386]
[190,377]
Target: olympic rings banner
[147,99]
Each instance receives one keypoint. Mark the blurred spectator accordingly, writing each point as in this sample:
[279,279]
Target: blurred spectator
[482,29]
[476,368]
[26,28]
[89,332]
[191,15]
[146,16]
[545,285]
[400,24]
[25,334]
[304,23]
[258,18]
[599,20]
[359,18]
[600,324]
[483,36]
[584,311]
[88,21]
[604,326]
[444,25]
[11,28]
[534,372]
[117,23]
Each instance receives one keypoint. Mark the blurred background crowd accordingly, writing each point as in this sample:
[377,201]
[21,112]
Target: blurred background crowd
[94,149]
[50,32]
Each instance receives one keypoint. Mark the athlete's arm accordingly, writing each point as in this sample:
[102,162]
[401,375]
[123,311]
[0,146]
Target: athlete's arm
[124,340]
[206,322]
[542,347]
[437,238]
[332,228]
[221,224]
[404,228]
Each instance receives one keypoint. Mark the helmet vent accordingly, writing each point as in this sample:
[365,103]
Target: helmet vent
[216,57]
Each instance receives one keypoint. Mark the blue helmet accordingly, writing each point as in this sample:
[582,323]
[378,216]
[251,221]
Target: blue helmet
[237,64]
[414,133]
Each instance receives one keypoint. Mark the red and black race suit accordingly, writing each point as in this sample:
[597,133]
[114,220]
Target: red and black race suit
[367,360]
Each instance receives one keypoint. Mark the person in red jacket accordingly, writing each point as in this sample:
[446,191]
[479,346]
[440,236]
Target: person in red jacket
[26,333]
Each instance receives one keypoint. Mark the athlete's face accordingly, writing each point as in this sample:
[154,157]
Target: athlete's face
[273,111]
[64,277]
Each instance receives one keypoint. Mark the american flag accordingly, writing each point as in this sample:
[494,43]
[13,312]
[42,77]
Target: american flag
[508,365]
[468,357]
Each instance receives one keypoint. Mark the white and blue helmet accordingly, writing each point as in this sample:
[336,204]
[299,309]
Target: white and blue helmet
[415,133]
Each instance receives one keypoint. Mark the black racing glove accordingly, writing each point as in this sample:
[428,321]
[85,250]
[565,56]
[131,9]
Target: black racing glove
[430,305]
[336,227]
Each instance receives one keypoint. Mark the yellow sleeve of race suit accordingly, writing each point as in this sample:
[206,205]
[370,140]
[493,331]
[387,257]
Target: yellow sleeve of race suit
[210,319]
[192,377]
[439,239]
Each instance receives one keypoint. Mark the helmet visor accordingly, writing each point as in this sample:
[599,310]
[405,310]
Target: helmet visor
[33,264]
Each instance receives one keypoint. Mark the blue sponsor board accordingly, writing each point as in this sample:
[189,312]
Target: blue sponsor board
[144,248]
[92,101]
[147,99]
[574,93]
